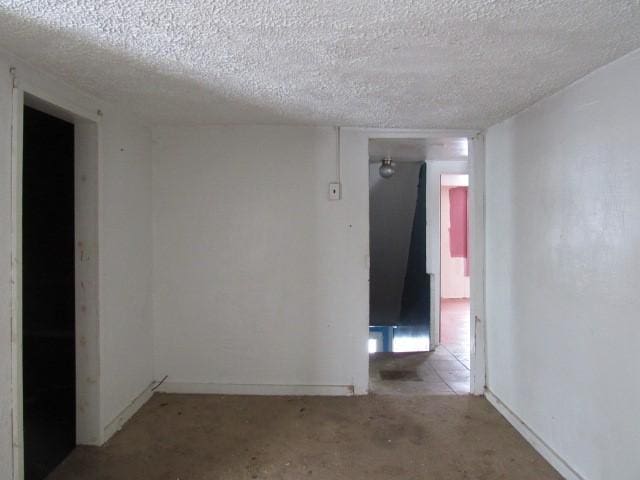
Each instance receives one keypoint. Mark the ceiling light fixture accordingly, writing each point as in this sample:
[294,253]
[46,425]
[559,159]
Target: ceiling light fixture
[387,169]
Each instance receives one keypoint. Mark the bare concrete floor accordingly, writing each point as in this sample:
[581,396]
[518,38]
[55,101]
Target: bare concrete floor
[214,437]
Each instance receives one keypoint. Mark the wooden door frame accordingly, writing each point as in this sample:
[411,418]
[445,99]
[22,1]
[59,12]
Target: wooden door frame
[86,191]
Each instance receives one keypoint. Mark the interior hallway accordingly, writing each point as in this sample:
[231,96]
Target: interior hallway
[374,437]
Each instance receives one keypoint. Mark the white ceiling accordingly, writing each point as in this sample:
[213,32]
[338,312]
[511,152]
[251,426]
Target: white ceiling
[394,63]
[417,149]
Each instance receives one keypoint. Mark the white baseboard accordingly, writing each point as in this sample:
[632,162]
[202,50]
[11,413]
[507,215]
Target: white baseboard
[246,389]
[117,423]
[532,437]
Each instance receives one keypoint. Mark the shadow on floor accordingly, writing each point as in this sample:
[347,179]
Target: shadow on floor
[419,373]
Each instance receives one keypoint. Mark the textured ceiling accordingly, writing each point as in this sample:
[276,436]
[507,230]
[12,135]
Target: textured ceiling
[393,63]
[417,149]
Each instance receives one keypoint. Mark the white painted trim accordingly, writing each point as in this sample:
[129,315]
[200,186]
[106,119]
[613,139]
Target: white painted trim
[57,105]
[548,453]
[257,389]
[52,103]
[87,275]
[118,422]
[31,78]
[16,285]
[357,141]
[477,263]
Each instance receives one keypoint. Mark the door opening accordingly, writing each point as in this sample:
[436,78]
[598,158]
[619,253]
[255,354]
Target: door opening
[455,330]
[48,293]
[398,282]
[412,360]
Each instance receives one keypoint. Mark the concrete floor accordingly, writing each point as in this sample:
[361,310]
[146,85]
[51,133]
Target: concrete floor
[214,437]
[417,423]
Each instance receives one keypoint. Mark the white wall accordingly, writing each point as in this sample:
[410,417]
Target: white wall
[563,270]
[260,282]
[392,205]
[124,249]
[125,261]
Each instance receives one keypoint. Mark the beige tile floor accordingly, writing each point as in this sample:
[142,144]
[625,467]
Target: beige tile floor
[442,372]
[428,373]
[455,335]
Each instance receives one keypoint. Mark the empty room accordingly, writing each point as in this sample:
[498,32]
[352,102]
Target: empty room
[356,239]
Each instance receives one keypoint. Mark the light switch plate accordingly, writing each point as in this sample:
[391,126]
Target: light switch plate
[334,191]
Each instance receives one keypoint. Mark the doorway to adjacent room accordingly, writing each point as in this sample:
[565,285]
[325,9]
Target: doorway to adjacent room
[48,315]
[411,350]
[55,346]
[455,288]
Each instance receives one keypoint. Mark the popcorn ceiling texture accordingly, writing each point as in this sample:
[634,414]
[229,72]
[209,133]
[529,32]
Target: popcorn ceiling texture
[392,63]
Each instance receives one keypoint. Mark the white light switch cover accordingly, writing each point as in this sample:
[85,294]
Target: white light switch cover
[334,191]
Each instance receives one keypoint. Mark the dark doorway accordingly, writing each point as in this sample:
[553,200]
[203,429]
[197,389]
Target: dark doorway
[48,322]
[399,290]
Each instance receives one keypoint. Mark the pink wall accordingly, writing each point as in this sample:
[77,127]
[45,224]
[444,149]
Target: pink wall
[454,284]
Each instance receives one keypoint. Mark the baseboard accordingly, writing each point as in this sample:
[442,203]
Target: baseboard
[258,389]
[534,439]
[117,423]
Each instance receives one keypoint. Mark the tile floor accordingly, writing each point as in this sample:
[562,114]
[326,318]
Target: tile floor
[442,372]
[455,335]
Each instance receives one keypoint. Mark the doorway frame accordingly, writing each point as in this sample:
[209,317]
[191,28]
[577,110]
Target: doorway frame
[355,143]
[86,260]
[435,170]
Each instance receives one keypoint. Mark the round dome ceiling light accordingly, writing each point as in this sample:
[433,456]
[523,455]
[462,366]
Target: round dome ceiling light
[387,169]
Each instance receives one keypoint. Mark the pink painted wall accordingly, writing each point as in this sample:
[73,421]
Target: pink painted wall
[454,284]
